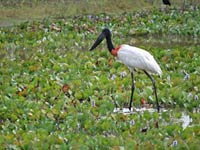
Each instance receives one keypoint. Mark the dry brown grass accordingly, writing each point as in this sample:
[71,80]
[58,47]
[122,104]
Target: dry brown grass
[16,11]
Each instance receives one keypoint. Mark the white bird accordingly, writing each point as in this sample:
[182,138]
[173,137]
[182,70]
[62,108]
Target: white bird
[132,57]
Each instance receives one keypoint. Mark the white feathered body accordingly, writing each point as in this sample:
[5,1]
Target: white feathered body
[135,57]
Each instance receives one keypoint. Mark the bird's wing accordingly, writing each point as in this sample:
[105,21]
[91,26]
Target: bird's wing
[135,57]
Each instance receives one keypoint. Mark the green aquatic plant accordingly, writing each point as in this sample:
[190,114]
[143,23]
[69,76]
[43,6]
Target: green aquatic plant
[55,94]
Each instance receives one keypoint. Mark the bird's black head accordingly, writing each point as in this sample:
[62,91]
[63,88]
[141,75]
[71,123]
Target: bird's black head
[104,34]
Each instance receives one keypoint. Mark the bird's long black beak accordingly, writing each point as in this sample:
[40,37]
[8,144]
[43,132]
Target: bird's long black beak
[98,41]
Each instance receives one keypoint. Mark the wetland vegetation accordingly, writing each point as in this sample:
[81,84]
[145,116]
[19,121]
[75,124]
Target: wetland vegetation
[56,94]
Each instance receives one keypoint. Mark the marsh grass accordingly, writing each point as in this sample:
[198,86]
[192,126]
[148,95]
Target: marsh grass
[14,12]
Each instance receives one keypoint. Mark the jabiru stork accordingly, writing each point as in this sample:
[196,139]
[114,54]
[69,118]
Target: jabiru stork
[132,57]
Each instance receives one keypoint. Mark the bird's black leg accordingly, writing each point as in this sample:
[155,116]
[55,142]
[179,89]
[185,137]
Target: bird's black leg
[154,89]
[132,90]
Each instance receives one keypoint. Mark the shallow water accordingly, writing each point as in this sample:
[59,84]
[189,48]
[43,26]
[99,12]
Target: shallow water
[185,120]
[126,111]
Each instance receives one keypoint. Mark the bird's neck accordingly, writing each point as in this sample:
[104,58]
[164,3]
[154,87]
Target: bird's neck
[109,43]
[114,51]
[110,46]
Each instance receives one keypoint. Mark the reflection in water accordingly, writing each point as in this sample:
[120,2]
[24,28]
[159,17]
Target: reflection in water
[186,120]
